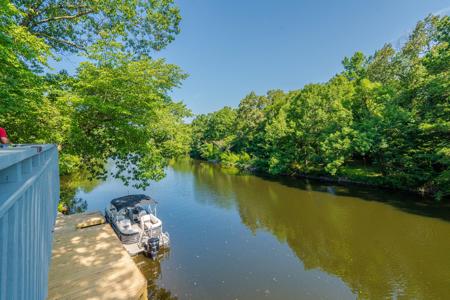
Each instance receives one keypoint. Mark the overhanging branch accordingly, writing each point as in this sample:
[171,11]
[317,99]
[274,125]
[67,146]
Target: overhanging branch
[68,17]
[61,41]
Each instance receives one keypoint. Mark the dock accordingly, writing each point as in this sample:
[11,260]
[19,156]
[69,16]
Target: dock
[91,263]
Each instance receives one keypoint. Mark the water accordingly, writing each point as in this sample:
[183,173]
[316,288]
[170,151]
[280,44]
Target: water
[246,237]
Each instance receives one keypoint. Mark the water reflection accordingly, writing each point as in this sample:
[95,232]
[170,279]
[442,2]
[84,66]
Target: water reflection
[71,186]
[378,249]
[248,237]
[152,271]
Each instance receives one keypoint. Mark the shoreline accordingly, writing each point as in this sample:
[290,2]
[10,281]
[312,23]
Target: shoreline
[427,196]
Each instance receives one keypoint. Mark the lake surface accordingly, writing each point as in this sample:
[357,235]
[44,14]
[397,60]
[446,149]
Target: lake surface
[246,237]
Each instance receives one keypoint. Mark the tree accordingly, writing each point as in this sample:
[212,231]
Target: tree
[250,115]
[122,112]
[213,133]
[23,108]
[355,66]
[117,106]
[275,150]
[320,119]
[221,124]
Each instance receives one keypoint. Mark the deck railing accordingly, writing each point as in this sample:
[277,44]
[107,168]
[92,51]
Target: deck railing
[29,194]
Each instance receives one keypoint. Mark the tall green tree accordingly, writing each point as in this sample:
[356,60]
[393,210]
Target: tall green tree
[321,119]
[24,110]
[213,133]
[250,115]
[122,112]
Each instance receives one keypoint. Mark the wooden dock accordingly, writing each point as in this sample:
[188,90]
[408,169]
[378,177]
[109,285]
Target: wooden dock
[91,263]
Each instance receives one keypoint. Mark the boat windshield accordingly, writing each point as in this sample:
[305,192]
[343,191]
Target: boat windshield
[149,208]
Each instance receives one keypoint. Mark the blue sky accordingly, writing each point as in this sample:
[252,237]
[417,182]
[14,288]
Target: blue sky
[230,48]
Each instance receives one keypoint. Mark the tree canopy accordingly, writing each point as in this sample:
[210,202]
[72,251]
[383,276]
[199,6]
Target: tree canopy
[122,112]
[116,107]
[67,25]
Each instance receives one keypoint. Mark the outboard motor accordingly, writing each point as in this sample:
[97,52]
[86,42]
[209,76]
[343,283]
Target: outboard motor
[152,247]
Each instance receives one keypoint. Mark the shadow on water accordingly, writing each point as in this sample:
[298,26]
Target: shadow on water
[406,201]
[383,247]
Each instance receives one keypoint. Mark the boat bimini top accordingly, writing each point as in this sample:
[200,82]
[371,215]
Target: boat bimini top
[133,200]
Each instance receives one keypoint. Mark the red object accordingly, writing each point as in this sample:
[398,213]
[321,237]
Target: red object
[3,133]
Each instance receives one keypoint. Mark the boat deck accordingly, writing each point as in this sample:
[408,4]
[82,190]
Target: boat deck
[133,249]
[91,263]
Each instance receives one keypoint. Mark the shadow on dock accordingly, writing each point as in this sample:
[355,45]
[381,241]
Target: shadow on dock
[90,263]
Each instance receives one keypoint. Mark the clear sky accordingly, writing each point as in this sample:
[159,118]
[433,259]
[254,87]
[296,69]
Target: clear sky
[230,48]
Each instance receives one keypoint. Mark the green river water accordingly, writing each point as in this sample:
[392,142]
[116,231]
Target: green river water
[245,237]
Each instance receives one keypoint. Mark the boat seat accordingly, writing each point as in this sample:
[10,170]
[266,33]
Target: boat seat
[125,223]
[145,222]
[149,222]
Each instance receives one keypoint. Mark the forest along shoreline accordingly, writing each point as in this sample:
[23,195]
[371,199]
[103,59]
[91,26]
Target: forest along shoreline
[383,121]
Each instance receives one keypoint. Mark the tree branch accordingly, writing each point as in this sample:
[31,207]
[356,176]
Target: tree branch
[68,43]
[31,13]
[64,17]
[68,6]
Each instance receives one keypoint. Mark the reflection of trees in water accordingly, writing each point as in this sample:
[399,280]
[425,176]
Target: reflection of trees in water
[152,271]
[379,251]
[72,184]
[182,165]
[216,182]
[74,205]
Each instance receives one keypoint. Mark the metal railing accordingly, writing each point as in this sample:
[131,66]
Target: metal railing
[29,195]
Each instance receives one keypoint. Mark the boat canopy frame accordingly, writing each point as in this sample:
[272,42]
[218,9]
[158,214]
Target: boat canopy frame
[133,200]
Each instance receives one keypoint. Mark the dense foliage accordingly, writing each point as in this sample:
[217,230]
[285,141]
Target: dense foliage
[116,106]
[68,25]
[384,120]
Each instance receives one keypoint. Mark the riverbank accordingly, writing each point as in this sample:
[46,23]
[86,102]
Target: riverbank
[355,175]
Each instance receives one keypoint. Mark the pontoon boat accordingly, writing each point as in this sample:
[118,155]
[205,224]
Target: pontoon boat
[134,220]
